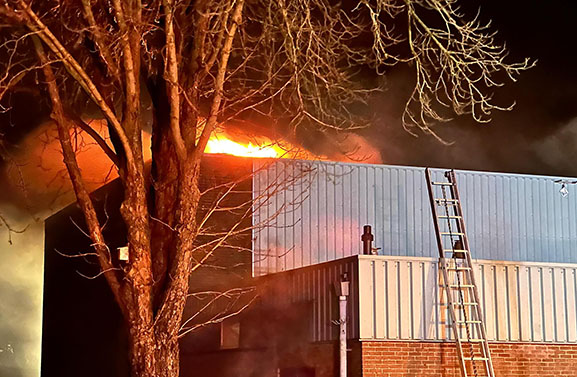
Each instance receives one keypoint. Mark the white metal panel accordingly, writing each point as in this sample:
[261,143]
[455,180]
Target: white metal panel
[513,302]
[559,307]
[536,306]
[489,301]
[312,212]
[367,298]
[392,299]
[502,303]
[520,302]
[571,287]
[525,304]
[417,302]
[430,300]
[405,287]
[548,296]
[379,299]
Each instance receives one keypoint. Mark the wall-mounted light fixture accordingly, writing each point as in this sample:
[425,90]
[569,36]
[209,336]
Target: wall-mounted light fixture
[564,190]
[123,253]
[342,286]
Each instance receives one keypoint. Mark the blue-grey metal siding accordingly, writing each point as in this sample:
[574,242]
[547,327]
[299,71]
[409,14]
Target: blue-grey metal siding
[319,212]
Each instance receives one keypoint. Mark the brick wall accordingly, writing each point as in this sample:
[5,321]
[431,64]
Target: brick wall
[388,359]
[268,362]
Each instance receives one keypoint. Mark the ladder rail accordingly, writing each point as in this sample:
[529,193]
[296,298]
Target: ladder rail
[446,281]
[478,309]
[434,209]
[475,323]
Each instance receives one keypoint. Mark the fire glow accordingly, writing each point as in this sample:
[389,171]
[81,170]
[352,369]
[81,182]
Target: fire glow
[221,144]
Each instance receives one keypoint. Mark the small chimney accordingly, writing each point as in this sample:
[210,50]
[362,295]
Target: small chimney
[367,239]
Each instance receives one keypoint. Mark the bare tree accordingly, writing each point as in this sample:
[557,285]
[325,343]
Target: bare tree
[199,65]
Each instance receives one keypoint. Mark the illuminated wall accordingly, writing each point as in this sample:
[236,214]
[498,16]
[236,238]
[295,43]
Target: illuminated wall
[21,281]
[35,182]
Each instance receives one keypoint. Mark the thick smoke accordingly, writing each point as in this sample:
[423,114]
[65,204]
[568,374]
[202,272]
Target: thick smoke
[558,151]
[536,137]
[35,175]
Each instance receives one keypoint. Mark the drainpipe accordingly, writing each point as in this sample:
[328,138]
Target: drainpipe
[342,289]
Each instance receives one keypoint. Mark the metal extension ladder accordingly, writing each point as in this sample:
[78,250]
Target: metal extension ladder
[459,284]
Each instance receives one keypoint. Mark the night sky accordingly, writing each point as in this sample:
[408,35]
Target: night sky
[536,137]
[539,136]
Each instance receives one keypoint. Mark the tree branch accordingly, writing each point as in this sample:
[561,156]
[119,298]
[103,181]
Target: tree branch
[129,59]
[96,137]
[99,39]
[171,77]
[219,81]
[82,195]
[33,22]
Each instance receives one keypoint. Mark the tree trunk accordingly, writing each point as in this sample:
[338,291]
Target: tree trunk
[168,356]
[153,356]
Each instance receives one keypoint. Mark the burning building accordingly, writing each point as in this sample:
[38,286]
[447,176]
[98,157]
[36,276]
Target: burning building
[304,237]
[522,232]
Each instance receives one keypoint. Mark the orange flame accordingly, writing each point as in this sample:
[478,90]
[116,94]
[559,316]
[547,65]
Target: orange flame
[221,144]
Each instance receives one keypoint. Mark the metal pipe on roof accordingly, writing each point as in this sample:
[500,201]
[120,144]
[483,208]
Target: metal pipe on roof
[367,239]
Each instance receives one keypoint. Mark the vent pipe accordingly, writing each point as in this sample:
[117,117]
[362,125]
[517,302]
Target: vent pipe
[367,239]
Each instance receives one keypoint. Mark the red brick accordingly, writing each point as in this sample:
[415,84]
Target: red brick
[440,359]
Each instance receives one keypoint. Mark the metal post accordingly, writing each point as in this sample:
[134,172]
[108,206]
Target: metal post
[342,290]
[343,335]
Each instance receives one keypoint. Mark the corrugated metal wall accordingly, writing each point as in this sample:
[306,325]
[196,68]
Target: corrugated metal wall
[318,213]
[314,285]
[401,298]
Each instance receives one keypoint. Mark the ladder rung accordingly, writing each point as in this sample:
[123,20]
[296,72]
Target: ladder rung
[459,304]
[457,251]
[469,321]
